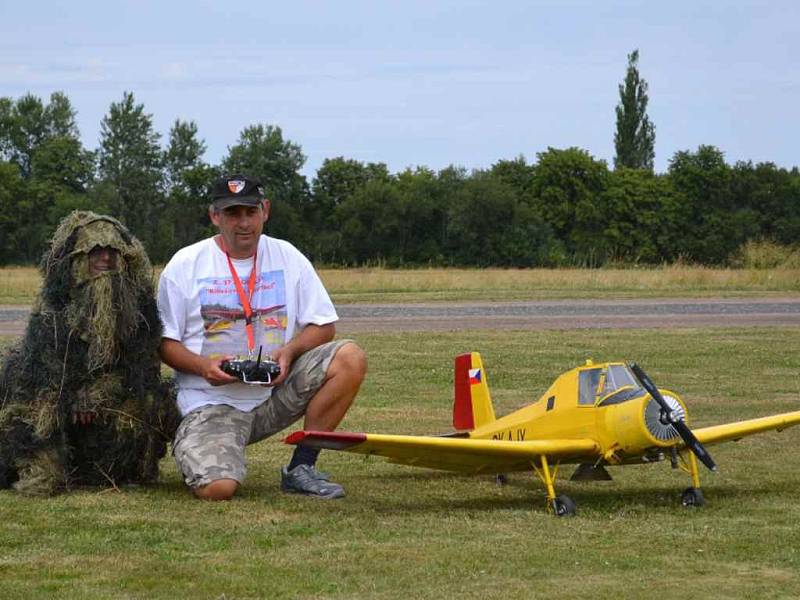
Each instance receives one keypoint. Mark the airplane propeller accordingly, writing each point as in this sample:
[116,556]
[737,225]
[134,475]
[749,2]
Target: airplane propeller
[678,423]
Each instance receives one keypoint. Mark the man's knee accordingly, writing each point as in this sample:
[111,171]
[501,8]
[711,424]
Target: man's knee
[220,489]
[350,361]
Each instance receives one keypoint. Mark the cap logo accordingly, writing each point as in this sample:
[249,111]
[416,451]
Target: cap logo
[235,185]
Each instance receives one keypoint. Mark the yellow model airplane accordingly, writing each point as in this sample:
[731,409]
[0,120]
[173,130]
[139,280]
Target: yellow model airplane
[595,415]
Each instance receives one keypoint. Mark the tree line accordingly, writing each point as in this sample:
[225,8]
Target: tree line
[564,208]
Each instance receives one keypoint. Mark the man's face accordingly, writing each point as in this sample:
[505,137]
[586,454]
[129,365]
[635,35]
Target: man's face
[241,227]
[102,259]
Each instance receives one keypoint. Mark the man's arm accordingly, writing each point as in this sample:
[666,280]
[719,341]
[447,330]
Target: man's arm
[180,358]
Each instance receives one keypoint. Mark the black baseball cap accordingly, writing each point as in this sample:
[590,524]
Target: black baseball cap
[237,190]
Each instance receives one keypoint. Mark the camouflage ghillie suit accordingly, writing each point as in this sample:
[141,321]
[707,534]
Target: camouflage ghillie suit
[89,349]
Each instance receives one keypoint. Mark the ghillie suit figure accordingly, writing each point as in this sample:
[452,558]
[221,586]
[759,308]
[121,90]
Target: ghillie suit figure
[81,397]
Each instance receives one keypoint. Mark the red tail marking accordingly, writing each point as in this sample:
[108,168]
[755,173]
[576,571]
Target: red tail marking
[336,440]
[462,401]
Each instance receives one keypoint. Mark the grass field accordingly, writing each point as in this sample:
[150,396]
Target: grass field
[19,285]
[422,534]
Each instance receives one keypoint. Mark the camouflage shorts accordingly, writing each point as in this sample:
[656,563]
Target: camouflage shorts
[210,440]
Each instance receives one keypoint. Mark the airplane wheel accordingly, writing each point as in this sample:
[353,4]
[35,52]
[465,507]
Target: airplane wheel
[692,497]
[564,506]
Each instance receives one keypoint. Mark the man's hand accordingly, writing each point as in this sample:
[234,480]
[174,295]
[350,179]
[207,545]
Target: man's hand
[83,417]
[82,413]
[212,372]
[284,356]
[309,337]
[177,356]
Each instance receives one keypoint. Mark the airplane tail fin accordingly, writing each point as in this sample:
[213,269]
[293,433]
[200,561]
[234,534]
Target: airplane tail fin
[472,404]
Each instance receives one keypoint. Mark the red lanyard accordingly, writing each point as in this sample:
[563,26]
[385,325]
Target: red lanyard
[244,299]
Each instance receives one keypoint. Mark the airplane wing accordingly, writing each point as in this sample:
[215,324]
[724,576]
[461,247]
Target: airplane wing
[734,431]
[460,454]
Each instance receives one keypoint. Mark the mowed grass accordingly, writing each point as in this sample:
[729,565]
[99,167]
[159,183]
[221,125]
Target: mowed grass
[19,285]
[412,533]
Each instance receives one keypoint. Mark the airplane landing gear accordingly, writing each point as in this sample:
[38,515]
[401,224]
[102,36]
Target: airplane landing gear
[564,506]
[692,496]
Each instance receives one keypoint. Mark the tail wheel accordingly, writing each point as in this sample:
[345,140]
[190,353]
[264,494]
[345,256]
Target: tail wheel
[564,506]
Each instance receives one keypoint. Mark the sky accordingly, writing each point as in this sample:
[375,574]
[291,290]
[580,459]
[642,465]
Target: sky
[421,83]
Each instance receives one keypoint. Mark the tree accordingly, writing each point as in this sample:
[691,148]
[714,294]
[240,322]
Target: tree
[641,216]
[773,194]
[338,178]
[566,191]
[489,226]
[62,161]
[28,123]
[262,152]
[336,181]
[23,128]
[425,212]
[130,167]
[184,152]
[371,222]
[517,173]
[12,233]
[60,117]
[635,138]
[41,141]
[714,222]
[188,182]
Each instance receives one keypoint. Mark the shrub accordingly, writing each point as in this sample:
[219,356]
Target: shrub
[765,254]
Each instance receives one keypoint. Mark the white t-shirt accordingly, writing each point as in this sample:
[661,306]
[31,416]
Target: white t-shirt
[200,308]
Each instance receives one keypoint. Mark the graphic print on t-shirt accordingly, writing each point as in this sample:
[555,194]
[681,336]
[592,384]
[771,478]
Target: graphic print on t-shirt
[224,320]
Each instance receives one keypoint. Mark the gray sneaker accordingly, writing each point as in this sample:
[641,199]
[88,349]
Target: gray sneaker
[305,479]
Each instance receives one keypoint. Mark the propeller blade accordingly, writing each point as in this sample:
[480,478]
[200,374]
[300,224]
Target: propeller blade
[694,444]
[258,360]
[679,424]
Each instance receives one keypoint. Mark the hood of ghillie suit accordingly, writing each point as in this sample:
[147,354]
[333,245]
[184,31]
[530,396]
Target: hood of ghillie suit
[65,264]
[100,309]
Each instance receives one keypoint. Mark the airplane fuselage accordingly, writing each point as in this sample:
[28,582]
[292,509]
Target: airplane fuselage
[619,428]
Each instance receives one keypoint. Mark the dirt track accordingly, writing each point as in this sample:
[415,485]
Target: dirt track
[557,314]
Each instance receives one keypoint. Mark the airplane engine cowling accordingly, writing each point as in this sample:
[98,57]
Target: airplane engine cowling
[634,427]
[663,432]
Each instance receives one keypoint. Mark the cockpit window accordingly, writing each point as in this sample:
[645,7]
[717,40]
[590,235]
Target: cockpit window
[587,386]
[620,386]
[614,384]
[618,376]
